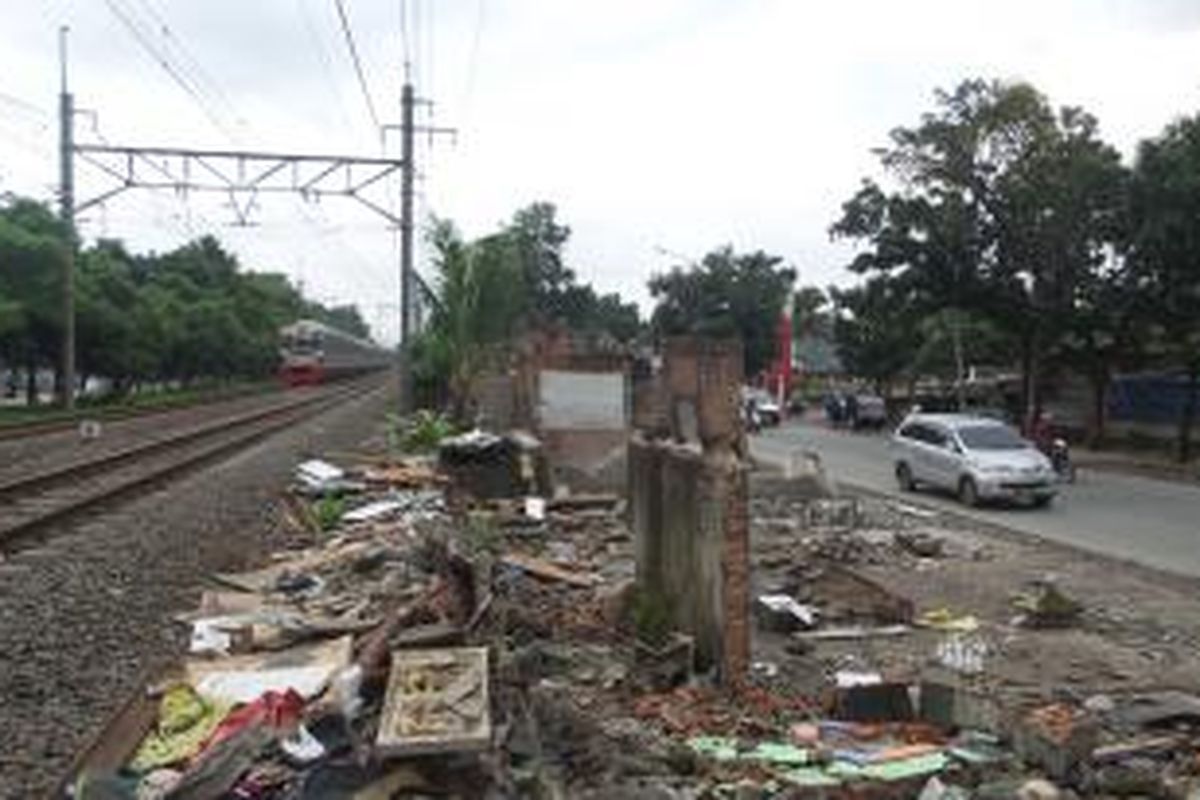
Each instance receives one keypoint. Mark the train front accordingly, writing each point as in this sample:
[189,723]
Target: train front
[302,357]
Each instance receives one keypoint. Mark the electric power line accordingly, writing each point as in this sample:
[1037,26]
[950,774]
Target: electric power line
[29,108]
[473,57]
[161,59]
[202,78]
[358,70]
[326,62]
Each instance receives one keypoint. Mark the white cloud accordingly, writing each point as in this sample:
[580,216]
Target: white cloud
[676,124]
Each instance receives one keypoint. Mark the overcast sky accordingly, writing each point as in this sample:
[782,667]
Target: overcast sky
[672,124]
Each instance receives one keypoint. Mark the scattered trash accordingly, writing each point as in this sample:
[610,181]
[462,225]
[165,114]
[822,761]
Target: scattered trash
[855,632]
[371,511]
[488,615]
[306,670]
[914,511]
[320,476]
[535,508]
[963,654]
[845,679]
[920,543]
[943,619]
[1045,606]
[782,614]
[764,669]
[186,719]
[302,747]
[548,571]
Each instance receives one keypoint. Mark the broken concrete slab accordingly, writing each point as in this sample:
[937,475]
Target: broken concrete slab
[1159,709]
[437,701]
[780,613]
[1058,738]
[920,543]
[958,708]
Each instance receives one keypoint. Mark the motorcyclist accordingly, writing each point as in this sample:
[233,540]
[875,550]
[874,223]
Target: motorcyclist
[1055,447]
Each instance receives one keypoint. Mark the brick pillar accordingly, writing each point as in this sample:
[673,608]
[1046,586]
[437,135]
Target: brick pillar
[688,500]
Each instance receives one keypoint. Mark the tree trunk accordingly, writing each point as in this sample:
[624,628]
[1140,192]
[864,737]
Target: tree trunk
[1100,383]
[31,387]
[1189,413]
[1027,383]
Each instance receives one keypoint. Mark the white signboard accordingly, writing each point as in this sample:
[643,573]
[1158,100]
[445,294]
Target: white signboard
[582,400]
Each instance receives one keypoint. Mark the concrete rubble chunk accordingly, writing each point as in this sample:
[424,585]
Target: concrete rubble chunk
[920,543]
[781,613]
[1057,738]
[1045,605]
[436,701]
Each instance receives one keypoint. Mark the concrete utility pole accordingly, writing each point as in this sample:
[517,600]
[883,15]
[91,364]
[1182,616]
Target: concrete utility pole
[407,101]
[66,210]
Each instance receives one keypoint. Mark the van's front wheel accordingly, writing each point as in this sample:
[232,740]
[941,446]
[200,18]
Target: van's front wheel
[968,492]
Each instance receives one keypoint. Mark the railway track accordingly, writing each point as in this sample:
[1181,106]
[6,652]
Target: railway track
[29,505]
[24,430]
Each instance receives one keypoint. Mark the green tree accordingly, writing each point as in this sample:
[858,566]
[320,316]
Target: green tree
[32,249]
[876,330]
[726,294]
[107,304]
[1007,206]
[538,240]
[1165,252]
[811,312]
[478,309]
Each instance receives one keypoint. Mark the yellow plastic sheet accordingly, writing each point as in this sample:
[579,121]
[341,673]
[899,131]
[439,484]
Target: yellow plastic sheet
[185,719]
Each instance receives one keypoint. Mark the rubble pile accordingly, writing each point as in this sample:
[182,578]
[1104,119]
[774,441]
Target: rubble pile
[456,629]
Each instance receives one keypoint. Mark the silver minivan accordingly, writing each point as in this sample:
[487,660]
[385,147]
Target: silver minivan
[975,457]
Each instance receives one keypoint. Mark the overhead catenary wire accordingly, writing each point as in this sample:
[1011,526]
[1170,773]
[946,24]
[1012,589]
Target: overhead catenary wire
[127,20]
[31,109]
[326,62]
[202,79]
[358,70]
[473,59]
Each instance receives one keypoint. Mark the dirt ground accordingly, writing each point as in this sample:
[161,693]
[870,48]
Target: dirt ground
[1138,631]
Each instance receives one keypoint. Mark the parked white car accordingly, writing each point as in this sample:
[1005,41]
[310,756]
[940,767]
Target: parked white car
[977,458]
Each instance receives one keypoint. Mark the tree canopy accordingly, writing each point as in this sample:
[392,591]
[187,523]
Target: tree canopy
[726,294]
[191,313]
[1015,225]
[491,289]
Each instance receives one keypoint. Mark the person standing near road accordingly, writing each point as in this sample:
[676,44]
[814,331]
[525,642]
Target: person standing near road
[852,410]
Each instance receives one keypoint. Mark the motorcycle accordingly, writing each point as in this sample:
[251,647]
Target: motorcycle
[1060,460]
[751,418]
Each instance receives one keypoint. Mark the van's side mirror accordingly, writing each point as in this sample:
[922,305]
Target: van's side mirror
[955,446]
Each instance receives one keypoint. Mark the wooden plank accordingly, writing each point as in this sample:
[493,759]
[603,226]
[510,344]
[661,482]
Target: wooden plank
[544,569]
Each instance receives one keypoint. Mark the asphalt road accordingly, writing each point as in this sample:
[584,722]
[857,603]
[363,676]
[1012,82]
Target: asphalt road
[1155,523]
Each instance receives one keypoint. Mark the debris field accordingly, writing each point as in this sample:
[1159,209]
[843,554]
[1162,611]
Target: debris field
[452,626]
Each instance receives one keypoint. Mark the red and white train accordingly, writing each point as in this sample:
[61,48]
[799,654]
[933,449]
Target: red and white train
[312,353]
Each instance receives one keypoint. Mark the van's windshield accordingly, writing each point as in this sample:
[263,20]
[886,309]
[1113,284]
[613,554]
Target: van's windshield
[991,437]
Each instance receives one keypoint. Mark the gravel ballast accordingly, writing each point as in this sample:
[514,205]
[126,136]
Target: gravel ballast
[86,618]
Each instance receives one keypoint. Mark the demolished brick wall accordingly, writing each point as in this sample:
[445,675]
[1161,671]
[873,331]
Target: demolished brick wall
[688,497]
[586,454]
